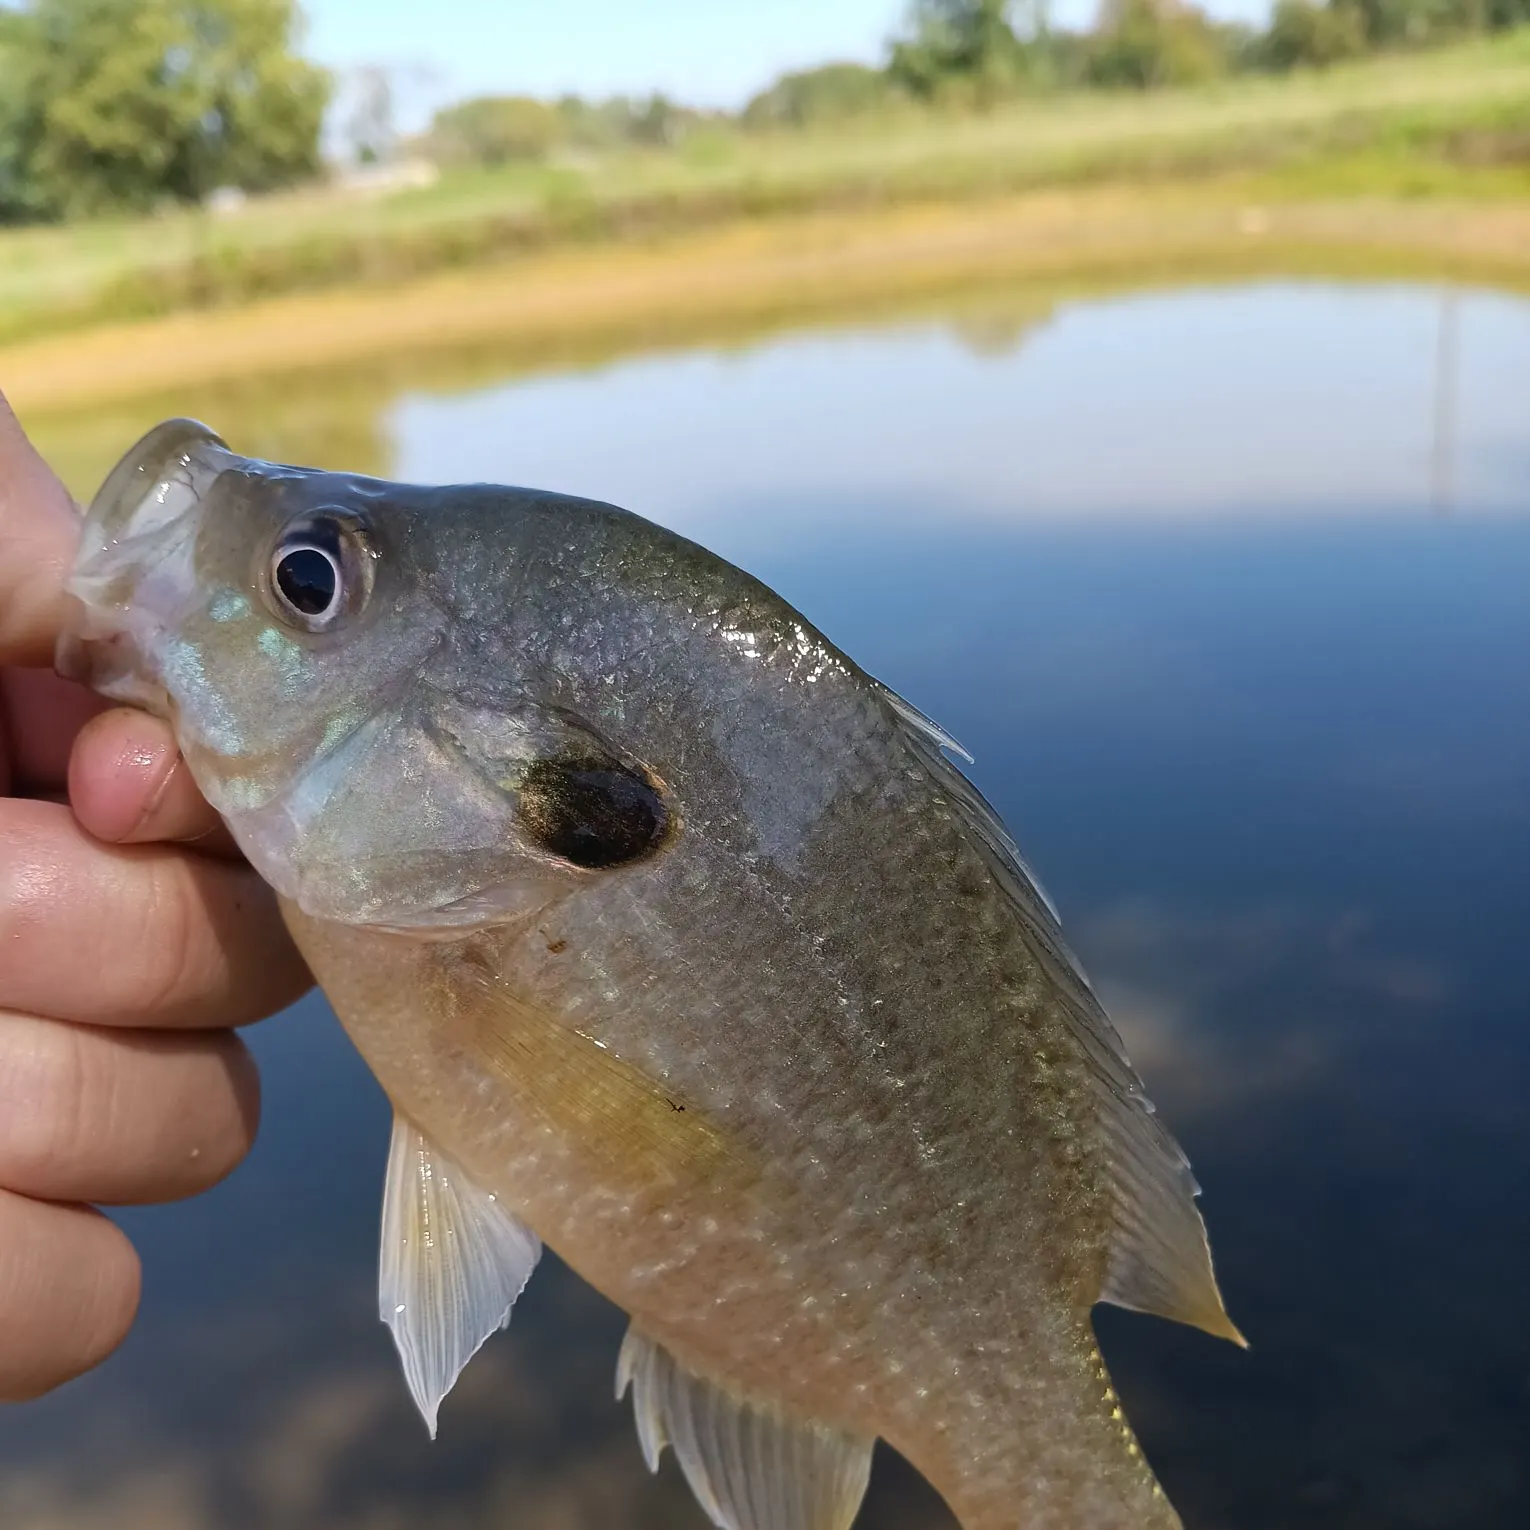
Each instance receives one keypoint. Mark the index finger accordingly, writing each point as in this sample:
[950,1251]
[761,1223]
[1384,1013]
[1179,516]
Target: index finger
[141,935]
[38,533]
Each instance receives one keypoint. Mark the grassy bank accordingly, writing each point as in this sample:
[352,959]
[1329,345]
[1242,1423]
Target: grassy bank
[567,305]
[1447,127]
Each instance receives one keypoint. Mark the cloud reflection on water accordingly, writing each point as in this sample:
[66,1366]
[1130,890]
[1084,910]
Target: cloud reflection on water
[531,1438]
[1268,400]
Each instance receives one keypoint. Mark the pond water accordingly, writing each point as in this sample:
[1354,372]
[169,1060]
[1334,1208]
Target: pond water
[1229,593]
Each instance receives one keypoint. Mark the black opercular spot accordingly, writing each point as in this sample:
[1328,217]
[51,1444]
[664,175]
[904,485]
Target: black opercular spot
[308,579]
[591,811]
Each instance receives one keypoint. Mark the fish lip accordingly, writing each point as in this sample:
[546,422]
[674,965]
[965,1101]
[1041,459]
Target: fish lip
[101,648]
[149,465]
[111,661]
[151,492]
[137,520]
[72,655]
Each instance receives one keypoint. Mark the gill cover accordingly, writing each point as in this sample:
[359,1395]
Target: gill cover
[296,628]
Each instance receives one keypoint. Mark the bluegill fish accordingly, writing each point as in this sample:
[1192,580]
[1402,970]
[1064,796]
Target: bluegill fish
[679,942]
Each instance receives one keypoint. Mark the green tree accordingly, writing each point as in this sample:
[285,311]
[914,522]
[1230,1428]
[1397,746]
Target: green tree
[1500,15]
[119,104]
[1142,44]
[989,45]
[495,130]
[591,124]
[1304,33]
[830,93]
[14,189]
[658,120]
[1412,23]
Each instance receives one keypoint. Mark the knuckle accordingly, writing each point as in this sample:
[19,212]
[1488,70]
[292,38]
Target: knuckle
[28,879]
[164,954]
[45,1078]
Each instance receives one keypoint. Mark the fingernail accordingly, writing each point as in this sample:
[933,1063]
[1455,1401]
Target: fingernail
[148,759]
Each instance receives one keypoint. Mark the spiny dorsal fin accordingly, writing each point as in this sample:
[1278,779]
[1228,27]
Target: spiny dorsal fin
[749,1465]
[1159,1260]
[454,1260]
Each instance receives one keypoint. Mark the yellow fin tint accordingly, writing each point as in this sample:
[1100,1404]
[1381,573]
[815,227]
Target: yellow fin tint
[611,1111]
[1158,1259]
[1160,1263]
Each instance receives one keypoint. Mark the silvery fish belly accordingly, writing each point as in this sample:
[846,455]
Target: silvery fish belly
[678,943]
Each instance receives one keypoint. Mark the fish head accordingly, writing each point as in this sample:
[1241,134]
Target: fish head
[298,629]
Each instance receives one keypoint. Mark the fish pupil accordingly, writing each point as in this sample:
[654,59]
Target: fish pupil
[308,580]
[594,813]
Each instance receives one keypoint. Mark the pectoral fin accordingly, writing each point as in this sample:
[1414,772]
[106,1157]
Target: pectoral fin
[629,1128]
[750,1466]
[454,1260]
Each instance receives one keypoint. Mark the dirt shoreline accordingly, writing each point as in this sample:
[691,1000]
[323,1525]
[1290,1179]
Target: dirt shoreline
[800,267]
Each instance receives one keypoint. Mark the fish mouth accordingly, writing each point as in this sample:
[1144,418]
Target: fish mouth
[156,482]
[133,572]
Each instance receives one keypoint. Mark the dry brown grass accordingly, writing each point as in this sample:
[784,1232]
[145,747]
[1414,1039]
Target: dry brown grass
[754,272]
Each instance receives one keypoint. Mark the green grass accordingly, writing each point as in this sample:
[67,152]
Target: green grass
[1454,123]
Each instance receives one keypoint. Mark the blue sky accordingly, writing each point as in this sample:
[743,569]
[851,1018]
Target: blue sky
[711,52]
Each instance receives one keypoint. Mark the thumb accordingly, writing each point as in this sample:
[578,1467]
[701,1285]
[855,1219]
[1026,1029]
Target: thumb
[38,533]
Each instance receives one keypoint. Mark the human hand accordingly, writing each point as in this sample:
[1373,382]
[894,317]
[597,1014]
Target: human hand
[132,937]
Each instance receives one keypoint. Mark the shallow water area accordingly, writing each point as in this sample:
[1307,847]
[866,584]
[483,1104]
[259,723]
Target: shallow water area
[1226,589]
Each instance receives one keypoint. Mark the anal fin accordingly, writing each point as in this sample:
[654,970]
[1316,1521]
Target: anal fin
[750,1466]
[453,1261]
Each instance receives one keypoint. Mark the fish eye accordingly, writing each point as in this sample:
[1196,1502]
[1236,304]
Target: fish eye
[320,571]
[308,579]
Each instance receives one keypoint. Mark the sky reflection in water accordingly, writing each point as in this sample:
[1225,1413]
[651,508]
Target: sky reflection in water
[1258,709]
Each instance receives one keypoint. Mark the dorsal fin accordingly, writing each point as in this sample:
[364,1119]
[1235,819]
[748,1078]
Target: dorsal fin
[976,811]
[1158,1260]
[749,1465]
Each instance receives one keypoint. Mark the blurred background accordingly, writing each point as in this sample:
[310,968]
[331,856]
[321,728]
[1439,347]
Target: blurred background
[1142,391]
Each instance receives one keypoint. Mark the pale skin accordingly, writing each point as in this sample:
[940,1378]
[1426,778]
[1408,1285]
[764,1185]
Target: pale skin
[132,940]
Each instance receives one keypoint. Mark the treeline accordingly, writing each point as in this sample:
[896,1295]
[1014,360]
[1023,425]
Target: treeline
[975,51]
[976,54]
[494,130]
[121,105]
[126,105]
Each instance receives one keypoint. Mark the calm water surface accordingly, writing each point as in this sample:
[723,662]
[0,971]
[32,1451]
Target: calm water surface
[1229,592]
